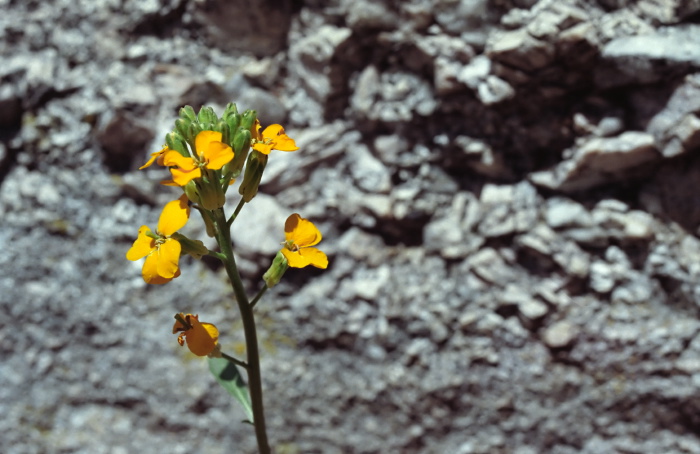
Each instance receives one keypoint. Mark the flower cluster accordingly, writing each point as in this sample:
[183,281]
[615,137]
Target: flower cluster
[205,155]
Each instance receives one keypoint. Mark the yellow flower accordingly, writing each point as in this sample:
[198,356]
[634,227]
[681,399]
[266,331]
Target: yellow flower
[157,155]
[201,337]
[162,252]
[210,153]
[300,234]
[272,138]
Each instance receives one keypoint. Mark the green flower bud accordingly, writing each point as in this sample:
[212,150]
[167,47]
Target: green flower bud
[248,119]
[191,191]
[241,147]
[211,195]
[187,113]
[182,126]
[253,174]
[174,141]
[195,248]
[279,266]
[230,109]
[233,120]
[192,132]
[207,117]
[223,128]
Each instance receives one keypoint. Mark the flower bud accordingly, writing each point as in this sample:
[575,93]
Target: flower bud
[175,141]
[279,266]
[207,117]
[233,120]
[195,248]
[253,174]
[241,147]
[182,126]
[187,113]
[225,131]
[248,119]
[191,191]
[211,195]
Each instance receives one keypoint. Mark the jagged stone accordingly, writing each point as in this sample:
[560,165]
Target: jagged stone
[599,161]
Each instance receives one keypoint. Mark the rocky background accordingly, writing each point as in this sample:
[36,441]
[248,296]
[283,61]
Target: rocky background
[508,191]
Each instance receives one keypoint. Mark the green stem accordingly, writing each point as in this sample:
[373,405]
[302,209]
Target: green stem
[235,212]
[223,237]
[235,361]
[258,296]
[217,255]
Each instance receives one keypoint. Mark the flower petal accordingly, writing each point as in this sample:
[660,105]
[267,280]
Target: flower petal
[203,139]
[284,143]
[143,245]
[264,148]
[301,231]
[202,338]
[217,154]
[295,259]
[280,140]
[315,257]
[150,269]
[168,258]
[184,163]
[255,132]
[182,177]
[157,155]
[174,216]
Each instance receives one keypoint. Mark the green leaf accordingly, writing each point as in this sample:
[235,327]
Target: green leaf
[226,373]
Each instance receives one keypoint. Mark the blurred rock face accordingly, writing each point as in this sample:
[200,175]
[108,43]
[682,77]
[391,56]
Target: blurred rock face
[507,193]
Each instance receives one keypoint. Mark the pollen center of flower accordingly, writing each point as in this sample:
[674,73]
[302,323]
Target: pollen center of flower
[291,245]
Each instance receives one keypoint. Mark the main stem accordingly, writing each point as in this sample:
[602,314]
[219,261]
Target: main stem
[223,237]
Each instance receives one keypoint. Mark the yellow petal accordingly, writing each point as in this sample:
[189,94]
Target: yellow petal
[255,133]
[280,140]
[173,158]
[203,139]
[284,143]
[157,155]
[202,338]
[182,177]
[264,148]
[168,258]
[150,269]
[142,246]
[174,216]
[217,154]
[315,257]
[295,259]
[301,231]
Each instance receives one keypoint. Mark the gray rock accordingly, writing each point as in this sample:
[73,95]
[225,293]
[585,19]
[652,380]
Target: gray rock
[482,158]
[216,20]
[676,126]
[370,173]
[475,73]
[507,209]
[494,90]
[559,334]
[392,96]
[519,49]
[637,58]
[600,160]
[561,212]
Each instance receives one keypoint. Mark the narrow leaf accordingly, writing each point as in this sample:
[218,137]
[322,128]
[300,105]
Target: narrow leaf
[226,373]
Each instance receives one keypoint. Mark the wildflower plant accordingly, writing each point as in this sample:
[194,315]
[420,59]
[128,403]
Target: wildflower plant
[205,155]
